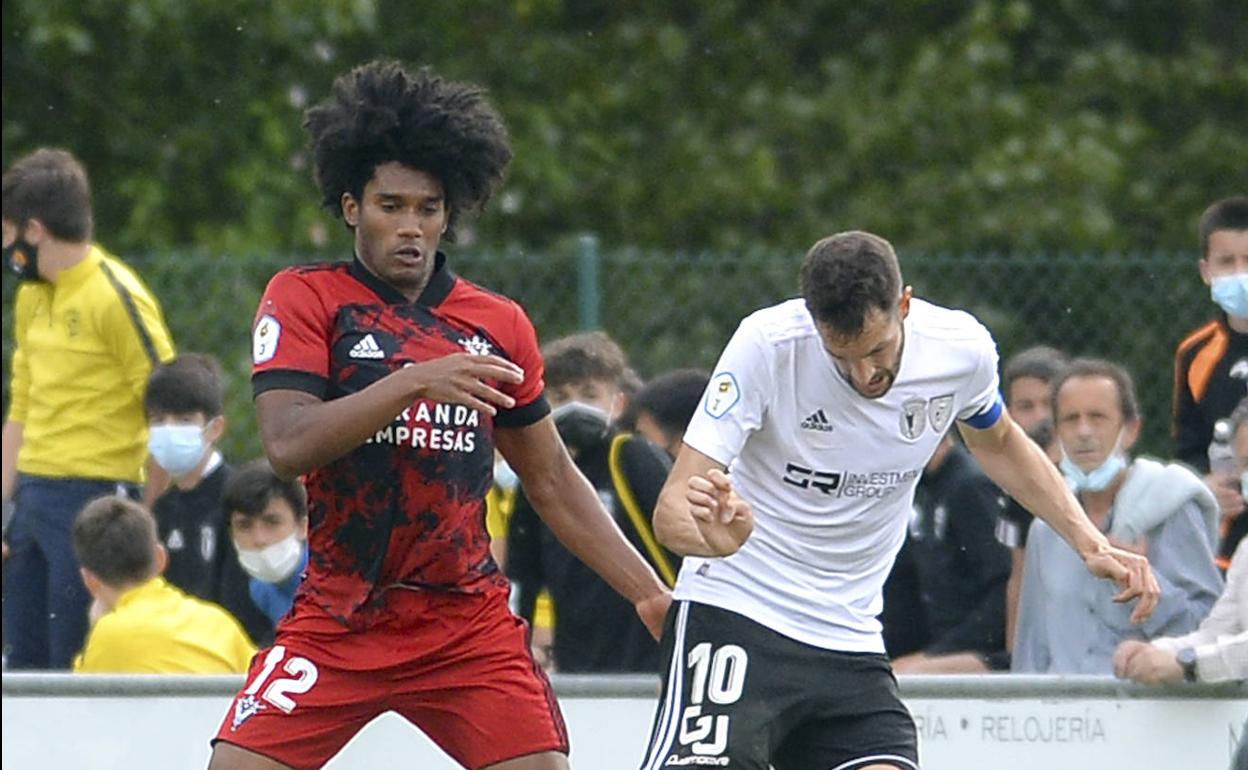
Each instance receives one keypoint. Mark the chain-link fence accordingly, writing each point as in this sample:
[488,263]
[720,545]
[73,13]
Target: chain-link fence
[678,309]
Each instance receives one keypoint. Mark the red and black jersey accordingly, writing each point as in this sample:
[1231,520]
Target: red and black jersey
[406,508]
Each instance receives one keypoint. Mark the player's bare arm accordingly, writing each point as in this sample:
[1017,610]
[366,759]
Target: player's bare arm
[698,513]
[567,502]
[1021,468]
[301,432]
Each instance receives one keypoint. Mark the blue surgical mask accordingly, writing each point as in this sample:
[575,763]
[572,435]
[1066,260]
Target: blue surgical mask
[177,448]
[1099,478]
[1243,485]
[1231,294]
[504,477]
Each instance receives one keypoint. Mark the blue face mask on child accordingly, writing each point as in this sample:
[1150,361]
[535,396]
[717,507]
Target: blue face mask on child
[177,448]
[1099,478]
[1231,294]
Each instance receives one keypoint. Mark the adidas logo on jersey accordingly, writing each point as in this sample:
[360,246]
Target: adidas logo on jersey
[817,421]
[367,348]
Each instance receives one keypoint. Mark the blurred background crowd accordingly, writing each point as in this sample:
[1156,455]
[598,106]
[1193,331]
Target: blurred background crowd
[1053,168]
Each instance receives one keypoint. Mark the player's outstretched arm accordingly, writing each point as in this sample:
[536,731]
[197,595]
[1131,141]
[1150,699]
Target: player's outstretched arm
[567,502]
[1021,468]
[301,432]
[698,513]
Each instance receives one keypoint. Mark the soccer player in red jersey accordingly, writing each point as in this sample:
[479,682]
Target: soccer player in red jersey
[388,381]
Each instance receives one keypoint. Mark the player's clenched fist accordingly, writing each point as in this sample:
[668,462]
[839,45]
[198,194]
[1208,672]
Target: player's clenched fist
[723,517]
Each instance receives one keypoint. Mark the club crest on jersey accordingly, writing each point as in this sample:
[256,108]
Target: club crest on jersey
[913,417]
[721,395]
[264,339]
[477,346]
[245,708]
[939,410]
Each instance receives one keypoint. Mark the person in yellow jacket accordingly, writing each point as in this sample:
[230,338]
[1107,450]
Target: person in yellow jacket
[87,334]
[142,624]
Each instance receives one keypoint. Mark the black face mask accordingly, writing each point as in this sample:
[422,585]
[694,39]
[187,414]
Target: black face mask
[23,259]
[581,426]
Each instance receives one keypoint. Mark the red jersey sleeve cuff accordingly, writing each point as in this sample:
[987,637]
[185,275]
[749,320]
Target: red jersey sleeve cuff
[522,416]
[289,379]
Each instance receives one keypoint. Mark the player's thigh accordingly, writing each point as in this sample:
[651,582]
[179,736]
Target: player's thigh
[298,706]
[546,760]
[855,721]
[227,756]
[482,698]
[725,696]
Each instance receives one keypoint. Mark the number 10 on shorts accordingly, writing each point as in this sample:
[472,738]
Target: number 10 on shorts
[719,677]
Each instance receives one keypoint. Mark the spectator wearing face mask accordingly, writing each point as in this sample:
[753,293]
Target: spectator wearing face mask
[86,333]
[1211,364]
[184,403]
[593,629]
[269,528]
[1068,622]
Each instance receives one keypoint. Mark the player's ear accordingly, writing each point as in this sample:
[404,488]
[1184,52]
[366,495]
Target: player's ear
[904,305]
[350,210]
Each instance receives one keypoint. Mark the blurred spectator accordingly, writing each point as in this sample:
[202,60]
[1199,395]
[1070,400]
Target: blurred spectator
[87,334]
[961,569]
[269,528]
[1027,380]
[662,408]
[594,630]
[1068,623]
[1211,364]
[500,503]
[141,624]
[1218,649]
[184,403]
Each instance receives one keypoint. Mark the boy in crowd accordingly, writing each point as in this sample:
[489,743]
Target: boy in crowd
[269,527]
[184,404]
[140,623]
[594,630]
[661,410]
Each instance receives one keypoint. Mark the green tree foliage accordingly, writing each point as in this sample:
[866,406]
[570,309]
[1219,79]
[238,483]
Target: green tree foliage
[1005,126]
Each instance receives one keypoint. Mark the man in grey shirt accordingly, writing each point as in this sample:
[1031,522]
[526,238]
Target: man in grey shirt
[1068,623]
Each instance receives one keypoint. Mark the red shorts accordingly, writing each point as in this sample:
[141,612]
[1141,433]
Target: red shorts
[457,666]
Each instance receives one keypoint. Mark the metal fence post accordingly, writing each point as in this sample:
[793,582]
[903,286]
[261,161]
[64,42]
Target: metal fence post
[589,287]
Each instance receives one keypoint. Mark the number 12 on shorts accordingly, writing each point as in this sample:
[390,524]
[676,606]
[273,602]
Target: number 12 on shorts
[303,676]
[717,676]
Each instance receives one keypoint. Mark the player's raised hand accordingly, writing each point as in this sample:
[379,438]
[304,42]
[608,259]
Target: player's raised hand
[724,519]
[1133,575]
[464,378]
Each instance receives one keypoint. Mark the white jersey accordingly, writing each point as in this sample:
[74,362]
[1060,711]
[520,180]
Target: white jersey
[830,474]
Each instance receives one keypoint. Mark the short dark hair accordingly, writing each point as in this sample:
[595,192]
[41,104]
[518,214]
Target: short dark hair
[584,356]
[253,486]
[672,398]
[380,113]
[1097,367]
[50,185]
[115,538]
[1040,362]
[845,276]
[189,384]
[1227,214]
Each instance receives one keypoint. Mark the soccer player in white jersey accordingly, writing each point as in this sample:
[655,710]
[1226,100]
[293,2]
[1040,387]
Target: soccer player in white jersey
[790,499]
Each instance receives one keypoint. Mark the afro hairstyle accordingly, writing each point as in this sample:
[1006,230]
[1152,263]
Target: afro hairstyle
[380,112]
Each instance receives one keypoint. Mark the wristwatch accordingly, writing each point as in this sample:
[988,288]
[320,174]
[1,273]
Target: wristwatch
[1187,661]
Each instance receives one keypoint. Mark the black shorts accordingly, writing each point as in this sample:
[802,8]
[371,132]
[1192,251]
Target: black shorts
[740,696]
